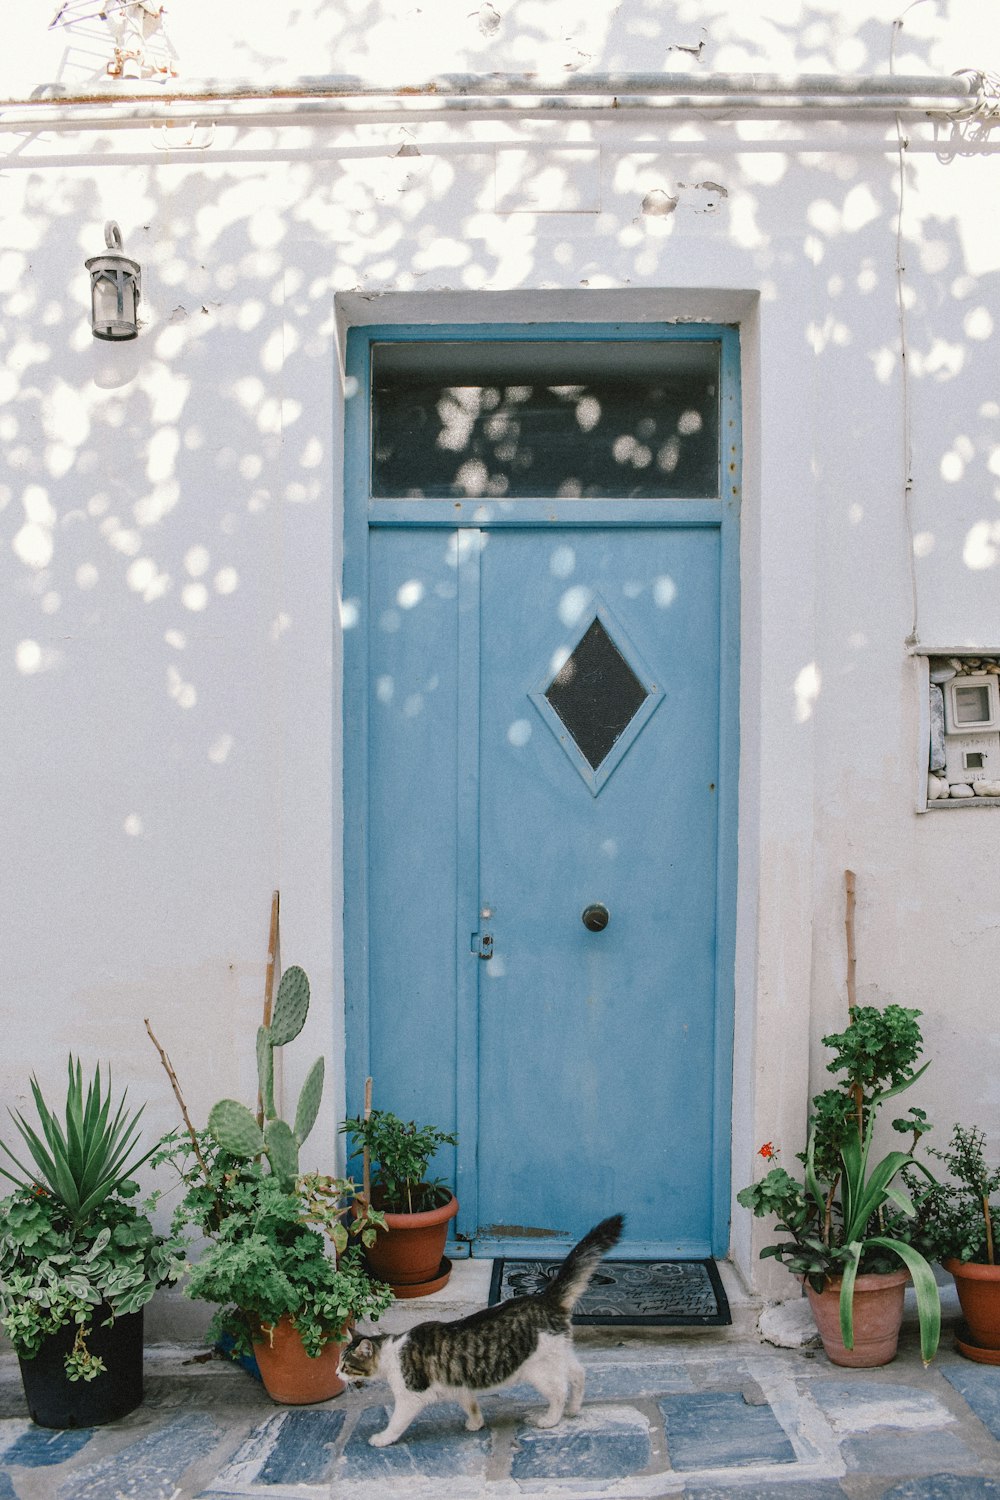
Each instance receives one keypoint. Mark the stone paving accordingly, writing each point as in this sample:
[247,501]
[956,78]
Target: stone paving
[678,1413]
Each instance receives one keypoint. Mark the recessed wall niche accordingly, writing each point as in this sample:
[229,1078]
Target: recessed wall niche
[960,730]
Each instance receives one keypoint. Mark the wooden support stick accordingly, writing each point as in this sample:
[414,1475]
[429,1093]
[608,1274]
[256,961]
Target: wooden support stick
[850,884]
[852,960]
[165,1060]
[366,1161]
[272,956]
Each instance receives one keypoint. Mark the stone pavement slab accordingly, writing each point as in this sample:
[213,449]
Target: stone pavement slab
[980,1387]
[670,1415]
[721,1430]
[603,1442]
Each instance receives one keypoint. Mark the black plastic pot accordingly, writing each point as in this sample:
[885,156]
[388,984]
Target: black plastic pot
[56,1401]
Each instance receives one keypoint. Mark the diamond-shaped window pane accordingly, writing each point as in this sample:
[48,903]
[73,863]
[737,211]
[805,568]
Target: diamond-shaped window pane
[596,694]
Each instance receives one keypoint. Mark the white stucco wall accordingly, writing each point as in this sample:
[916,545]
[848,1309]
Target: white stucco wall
[171,508]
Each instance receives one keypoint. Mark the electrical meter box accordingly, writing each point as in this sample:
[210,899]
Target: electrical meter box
[972,728]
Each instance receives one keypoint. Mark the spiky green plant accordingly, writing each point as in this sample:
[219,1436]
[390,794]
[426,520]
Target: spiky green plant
[86,1159]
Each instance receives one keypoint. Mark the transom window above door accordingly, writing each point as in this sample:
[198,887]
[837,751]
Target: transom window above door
[572,420]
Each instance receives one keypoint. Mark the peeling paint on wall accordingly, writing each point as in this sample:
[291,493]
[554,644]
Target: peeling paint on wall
[488,19]
[658,203]
[695,50]
[703,197]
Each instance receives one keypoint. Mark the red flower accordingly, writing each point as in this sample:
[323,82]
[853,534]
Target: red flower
[767,1151]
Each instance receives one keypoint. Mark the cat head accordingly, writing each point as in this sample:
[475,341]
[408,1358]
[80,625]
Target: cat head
[359,1359]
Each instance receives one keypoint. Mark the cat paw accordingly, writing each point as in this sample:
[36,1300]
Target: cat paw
[380,1439]
[474,1424]
[545,1421]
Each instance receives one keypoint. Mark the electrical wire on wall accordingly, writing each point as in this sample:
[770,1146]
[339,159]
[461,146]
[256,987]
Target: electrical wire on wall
[902,146]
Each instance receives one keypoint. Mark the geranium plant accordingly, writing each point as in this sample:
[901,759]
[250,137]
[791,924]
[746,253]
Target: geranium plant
[274,1248]
[276,1238]
[850,1212]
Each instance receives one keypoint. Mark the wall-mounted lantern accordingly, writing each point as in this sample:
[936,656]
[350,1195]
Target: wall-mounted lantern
[114,289]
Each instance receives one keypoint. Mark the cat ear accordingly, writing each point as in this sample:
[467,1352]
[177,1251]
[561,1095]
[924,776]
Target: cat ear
[365,1348]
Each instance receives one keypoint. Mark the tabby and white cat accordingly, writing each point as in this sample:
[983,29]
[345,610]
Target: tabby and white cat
[528,1338]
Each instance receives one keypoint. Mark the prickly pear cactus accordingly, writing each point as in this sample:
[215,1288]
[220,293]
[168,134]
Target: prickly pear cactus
[233,1125]
[309,1101]
[265,1071]
[235,1128]
[291,1006]
[282,1149]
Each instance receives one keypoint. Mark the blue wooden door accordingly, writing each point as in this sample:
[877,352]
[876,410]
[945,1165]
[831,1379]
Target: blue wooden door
[540,712]
[599,756]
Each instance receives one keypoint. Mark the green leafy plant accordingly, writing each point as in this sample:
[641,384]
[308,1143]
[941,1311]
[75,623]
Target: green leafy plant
[268,1253]
[956,1219]
[851,1214]
[400,1155]
[74,1246]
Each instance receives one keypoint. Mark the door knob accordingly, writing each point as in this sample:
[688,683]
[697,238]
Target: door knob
[596,917]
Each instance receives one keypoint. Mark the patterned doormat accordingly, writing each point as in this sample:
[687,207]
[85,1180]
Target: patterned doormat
[681,1293]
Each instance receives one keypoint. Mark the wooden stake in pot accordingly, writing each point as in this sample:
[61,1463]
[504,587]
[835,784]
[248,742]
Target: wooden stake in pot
[850,884]
[366,1161]
[273,938]
[852,960]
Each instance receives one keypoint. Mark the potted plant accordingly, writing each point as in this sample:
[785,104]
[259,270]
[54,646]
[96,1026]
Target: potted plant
[276,1259]
[284,1294]
[849,1219]
[409,1252]
[957,1227]
[79,1258]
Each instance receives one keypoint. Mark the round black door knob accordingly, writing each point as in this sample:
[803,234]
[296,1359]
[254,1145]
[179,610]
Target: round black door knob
[596,917]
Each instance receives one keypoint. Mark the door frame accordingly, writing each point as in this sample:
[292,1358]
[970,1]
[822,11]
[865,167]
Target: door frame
[361,515]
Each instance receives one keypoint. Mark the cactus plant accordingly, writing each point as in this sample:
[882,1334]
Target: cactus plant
[235,1129]
[291,1006]
[234,1126]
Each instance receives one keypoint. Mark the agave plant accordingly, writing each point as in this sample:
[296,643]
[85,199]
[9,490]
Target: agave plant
[76,1251]
[85,1160]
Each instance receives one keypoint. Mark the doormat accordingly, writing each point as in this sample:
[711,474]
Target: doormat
[677,1293]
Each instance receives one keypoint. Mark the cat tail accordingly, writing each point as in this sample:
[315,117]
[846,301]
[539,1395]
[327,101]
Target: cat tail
[570,1281]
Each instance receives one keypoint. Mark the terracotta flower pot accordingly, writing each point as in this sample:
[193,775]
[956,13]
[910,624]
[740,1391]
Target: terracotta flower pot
[978,1288]
[409,1252]
[292,1376]
[878,1316]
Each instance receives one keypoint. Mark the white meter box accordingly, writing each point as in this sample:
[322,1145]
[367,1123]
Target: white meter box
[960,729]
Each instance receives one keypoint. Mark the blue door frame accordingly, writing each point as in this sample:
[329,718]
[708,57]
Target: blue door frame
[376,918]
